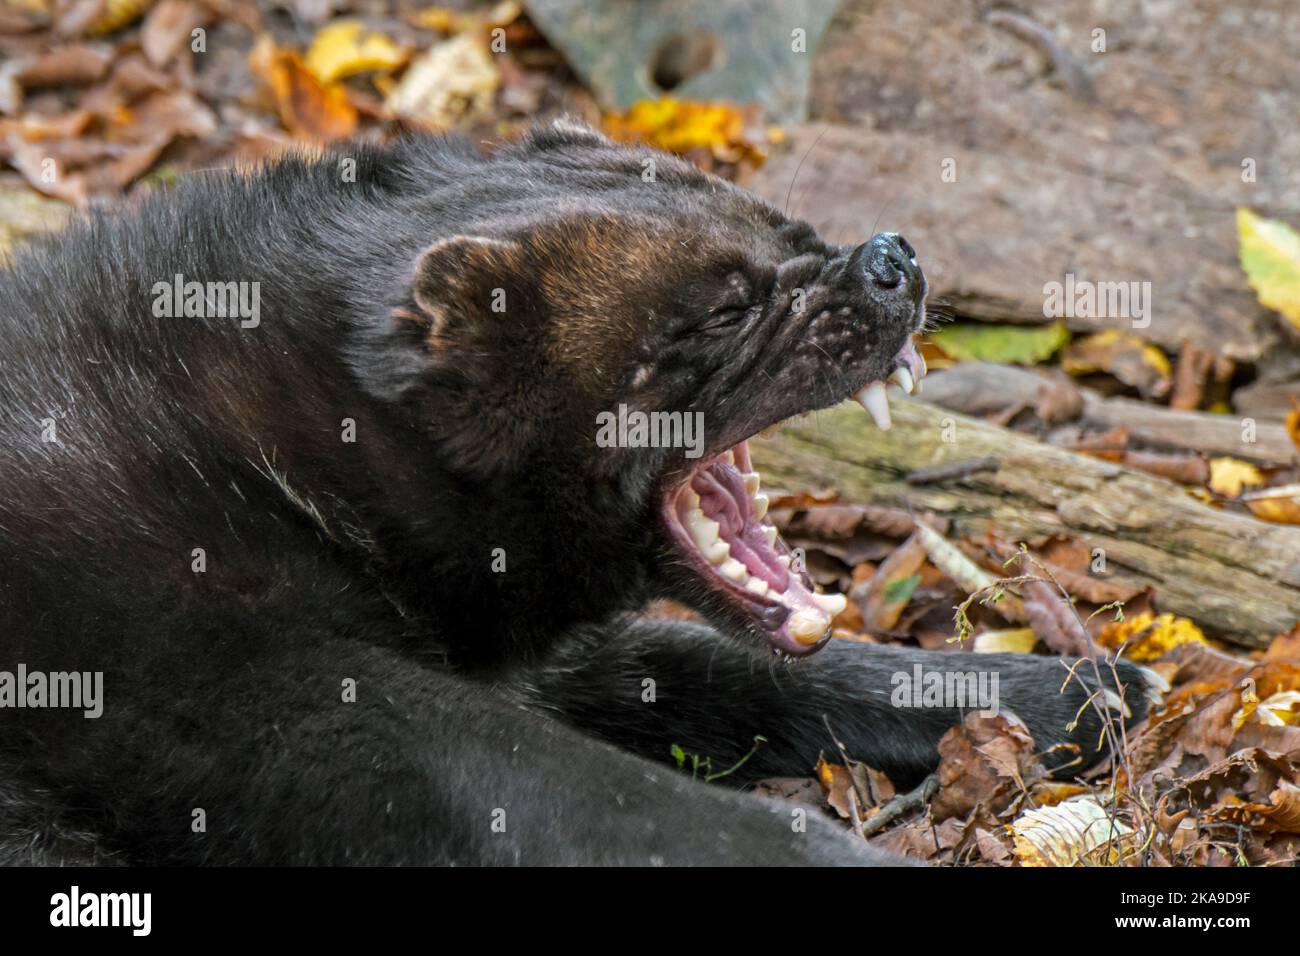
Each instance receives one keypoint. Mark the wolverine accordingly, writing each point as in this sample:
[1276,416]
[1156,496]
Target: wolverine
[362,584]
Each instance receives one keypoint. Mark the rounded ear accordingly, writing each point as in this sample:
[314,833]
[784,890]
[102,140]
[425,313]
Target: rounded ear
[462,275]
[564,130]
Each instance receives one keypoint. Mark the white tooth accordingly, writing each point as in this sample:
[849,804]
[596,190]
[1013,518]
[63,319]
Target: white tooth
[733,569]
[903,379]
[807,626]
[757,585]
[783,560]
[770,534]
[832,604]
[751,482]
[704,529]
[876,402]
[760,505]
[718,552]
[692,499]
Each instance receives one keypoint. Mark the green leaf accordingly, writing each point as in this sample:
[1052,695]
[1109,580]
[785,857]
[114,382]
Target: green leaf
[679,755]
[1270,254]
[900,591]
[1004,344]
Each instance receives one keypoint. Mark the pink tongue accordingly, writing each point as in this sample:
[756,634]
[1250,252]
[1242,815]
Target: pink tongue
[723,498]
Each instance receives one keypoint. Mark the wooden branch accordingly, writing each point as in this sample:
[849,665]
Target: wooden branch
[1236,576]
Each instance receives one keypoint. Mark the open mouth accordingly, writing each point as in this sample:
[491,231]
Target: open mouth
[718,517]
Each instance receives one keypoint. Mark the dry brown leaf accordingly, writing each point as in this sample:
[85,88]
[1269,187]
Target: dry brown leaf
[985,762]
[167,30]
[305,105]
[886,595]
[1126,356]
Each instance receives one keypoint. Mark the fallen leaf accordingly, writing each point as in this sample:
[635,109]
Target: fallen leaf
[1126,356]
[682,126]
[452,81]
[1146,637]
[1076,832]
[305,105]
[885,595]
[1019,640]
[346,47]
[1228,476]
[1003,344]
[1279,504]
[167,30]
[1270,254]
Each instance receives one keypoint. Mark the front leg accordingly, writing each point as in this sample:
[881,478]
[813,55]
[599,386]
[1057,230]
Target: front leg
[269,748]
[646,685]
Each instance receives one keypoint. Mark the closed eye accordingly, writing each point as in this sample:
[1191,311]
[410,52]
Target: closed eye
[721,320]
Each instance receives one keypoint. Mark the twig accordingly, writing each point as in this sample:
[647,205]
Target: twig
[901,804]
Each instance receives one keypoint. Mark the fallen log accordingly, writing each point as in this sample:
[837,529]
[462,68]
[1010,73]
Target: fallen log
[980,388]
[1236,576]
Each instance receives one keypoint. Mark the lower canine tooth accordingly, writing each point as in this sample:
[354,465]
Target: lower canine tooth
[757,585]
[874,400]
[807,627]
[903,379]
[760,505]
[733,569]
[832,604]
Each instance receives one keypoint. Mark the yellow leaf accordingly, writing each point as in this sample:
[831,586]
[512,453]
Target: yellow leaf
[346,48]
[680,126]
[1270,254]
[1229,475]
[117,14]
[1148,637]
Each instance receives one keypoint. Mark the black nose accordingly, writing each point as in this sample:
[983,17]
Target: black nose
[888,259]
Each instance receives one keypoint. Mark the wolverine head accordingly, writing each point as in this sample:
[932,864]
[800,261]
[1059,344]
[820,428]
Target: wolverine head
[601,333]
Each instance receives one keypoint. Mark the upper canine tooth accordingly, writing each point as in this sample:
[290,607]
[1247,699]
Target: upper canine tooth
[874,400]
[704,529]
[832,604]
[734,569]
[760,505]
[718,552]
[903,379]
[807,627]
[751,482]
